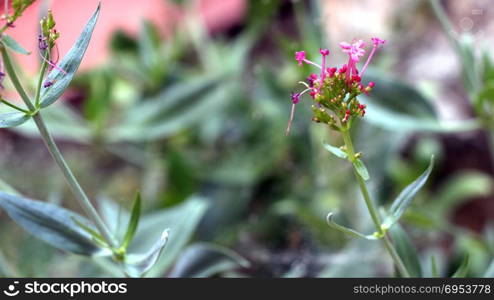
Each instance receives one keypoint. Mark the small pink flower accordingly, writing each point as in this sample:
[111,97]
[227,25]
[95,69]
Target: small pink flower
[377,41]
[355,50]
[300,57]
[324,52]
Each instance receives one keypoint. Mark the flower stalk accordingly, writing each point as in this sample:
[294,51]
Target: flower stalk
[380,232]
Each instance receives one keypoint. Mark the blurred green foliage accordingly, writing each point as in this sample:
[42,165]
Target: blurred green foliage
[195,115]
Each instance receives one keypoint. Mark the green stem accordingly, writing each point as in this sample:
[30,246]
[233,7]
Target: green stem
[40,82]
[371,208]
[15,106]
[57,155]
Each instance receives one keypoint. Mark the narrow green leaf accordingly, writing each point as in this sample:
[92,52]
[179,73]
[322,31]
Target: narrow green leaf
[406,250]
[347,230]
[434,270]
[12,119]
[69,64]
[90,230]
[50,223]
[462,270]
[404,199]
[133,222]
[13,44]
[361,169]
[335,150]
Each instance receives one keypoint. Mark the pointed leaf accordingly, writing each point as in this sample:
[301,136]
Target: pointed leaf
[406,250]
[347,230]
[13,44]
[138,265]
[69,64]
[181,219]
[434,271]
[205,260]
[336,151]
[361,169]
[406,196]
[462,270]
[133,222]
[50,223]
[12,119]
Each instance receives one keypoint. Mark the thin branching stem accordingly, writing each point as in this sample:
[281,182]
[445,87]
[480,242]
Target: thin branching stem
[56,154]
[372,210]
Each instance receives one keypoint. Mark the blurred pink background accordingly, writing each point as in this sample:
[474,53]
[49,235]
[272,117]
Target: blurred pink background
[71,15]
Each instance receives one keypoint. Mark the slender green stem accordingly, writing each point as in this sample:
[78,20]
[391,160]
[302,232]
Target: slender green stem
[371,208]
[57,155]
[40,82]
[15,106]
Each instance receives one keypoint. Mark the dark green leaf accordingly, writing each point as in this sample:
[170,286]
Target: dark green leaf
[462,270]
[361,169]
[404,199]
[206,260]
[406,250]
[12,119]
[336,151]
[12,44]
[69,64]
[50,223]
[133,222]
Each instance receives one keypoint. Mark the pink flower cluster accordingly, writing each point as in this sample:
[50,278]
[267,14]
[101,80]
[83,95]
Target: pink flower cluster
[336,89]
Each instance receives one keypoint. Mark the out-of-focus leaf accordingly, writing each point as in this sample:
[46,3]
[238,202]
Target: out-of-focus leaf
[434,271]
[489,273]
[63,122]
[361,169]
[205,260]
[12,119]
[8,41]
[133,222]
[347,230]
[463,268]
[7,188]
[406,250]
[336,151]
[178,107]
[182,221]
[459,187]
[404,199]
[50,223]
[138,265]
[69,64]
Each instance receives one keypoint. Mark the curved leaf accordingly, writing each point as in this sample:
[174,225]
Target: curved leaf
[12,119]
[50,223]
[182,221]
[138,265]
[401,203]
[206,260]
[347,230]
[69,64]
[462,270]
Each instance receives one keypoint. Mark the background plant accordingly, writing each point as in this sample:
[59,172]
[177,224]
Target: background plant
[224,140]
